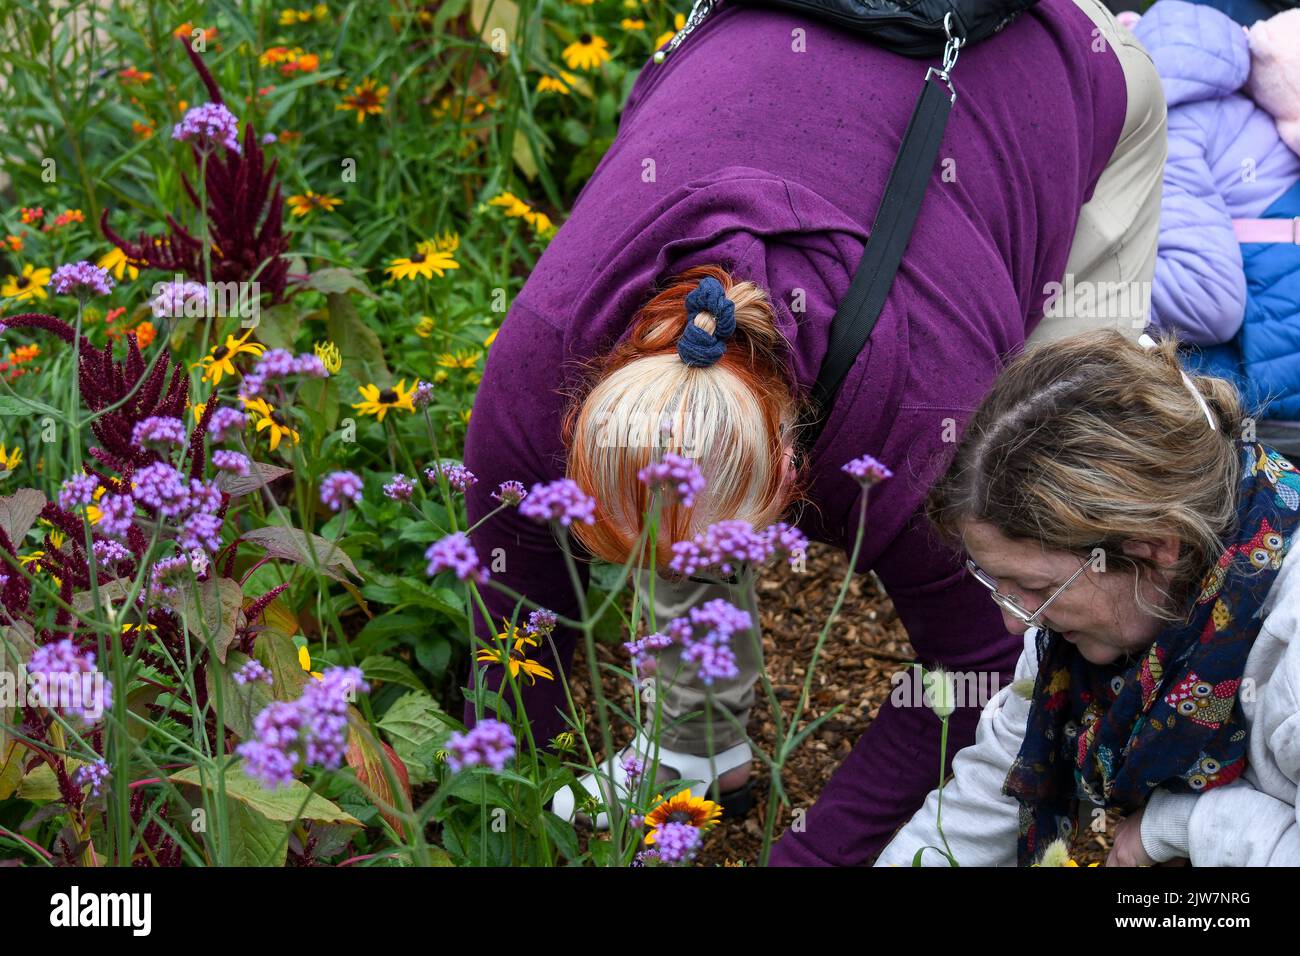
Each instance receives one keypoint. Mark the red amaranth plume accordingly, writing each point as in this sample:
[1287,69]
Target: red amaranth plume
[245,217]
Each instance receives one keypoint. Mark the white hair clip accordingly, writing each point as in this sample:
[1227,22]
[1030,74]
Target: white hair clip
[1147,342]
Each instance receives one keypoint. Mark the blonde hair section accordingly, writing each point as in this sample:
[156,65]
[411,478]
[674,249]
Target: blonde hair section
[735,419]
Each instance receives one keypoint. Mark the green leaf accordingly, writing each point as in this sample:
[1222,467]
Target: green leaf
[298,546]
[294,802]
[240,704]
[255,840]
[260,474]
[414,725]
[278,653]
[389,670]
[337,280]
[210,612]
[11,406]
[18,512]
[357,342]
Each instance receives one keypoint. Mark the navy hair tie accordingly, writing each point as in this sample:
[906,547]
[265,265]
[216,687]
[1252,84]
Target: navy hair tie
[697,347]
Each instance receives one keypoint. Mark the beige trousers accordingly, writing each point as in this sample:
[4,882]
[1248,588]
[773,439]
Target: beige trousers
[674,682]
[1114,246]
[1107,281]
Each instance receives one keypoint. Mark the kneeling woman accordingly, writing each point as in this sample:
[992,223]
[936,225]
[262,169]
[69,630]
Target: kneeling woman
[1131,530]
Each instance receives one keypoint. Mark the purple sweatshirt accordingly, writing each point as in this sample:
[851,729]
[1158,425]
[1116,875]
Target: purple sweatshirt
[741,151]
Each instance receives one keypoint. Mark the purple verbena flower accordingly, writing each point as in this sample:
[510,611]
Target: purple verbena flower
[458,476]
[787,540]
[252,672]
[271,757]
[324,706]
[65,679]
[541,622]
[643,647]
[510,493]
[161,486]
[178,298]
[158,430]
[561,501]
[226,423]
[231,461]
[490,743]
[93,774]
[867,470]
[339,488]
[455,553]
[81,278]
[679,477]
[110,552]
[400,488]
[676,843]
[116,513]
[209,123]
[721,546]
[79,490]
[201,530]
[423,394]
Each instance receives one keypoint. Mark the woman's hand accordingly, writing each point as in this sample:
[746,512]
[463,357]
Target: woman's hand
[1128,850]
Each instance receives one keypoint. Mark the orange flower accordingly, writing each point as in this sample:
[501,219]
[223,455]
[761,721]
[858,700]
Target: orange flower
[14,242]
[144,334]
[67,216]
[32,215]
[132,75]
[143,130]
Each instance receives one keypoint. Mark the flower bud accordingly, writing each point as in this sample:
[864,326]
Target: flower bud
[940,692]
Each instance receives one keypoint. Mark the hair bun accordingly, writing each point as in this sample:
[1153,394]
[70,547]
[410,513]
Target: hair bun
[697,347]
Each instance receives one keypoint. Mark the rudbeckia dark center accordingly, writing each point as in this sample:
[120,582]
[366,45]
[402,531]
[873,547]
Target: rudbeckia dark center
[24,282]
[679,816]
[278,419]
[417,258]
[585,39]
[387,397]
[220,353]
[517,655]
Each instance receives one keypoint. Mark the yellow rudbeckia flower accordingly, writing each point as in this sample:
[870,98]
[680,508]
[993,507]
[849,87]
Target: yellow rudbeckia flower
[377,401]
[30,285]
[270,419]
[116,262]
[220,362]
[304,661]
[586,53]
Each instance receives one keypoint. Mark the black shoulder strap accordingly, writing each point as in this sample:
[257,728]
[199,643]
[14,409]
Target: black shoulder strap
[886,243]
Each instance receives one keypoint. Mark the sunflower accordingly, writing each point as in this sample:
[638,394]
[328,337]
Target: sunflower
[430,257]
[9,459]
[586,53]
[30,285]
[312,202]
[116,262]
[365,99]
[516,658]
[271,419]
[219,362]
[378,401]
[682,808]
[304,661]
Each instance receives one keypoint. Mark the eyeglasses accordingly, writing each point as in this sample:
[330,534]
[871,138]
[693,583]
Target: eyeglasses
[1010,604]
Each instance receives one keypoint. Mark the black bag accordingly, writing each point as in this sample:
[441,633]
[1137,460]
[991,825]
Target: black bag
[919,28]
[910,27]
